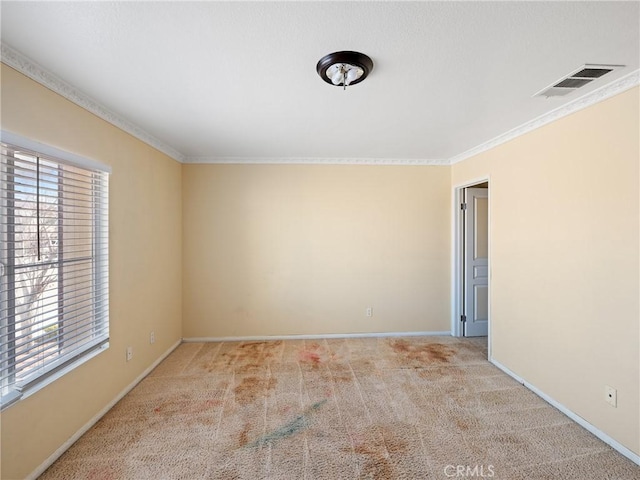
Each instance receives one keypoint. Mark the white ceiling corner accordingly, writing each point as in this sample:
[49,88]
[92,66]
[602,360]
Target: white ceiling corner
[606,91]
[223,82]
[31,69]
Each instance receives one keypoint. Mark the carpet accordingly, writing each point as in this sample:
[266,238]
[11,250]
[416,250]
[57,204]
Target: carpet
[366,408]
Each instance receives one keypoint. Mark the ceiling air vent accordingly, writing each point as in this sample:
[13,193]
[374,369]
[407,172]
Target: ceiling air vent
[579,78]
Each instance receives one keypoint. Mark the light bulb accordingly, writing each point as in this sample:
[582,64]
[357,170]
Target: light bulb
[353,74]
[336,73]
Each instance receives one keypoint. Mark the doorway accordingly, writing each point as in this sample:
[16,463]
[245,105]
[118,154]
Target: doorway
[471,263]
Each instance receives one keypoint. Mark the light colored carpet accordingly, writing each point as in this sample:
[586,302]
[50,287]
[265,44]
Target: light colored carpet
[371,408]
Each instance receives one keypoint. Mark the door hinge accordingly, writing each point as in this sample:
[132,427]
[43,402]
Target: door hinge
[463,206]
[463,318]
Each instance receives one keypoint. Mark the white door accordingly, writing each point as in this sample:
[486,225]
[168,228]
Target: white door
[475,309]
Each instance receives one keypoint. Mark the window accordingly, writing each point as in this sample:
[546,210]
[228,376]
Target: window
[54,300]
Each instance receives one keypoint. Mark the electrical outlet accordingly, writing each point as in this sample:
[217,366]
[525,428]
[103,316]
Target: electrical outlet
[369,312]
[611,396]
[129,353]
[152,338]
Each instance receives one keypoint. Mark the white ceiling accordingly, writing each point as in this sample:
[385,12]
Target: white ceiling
[237,79]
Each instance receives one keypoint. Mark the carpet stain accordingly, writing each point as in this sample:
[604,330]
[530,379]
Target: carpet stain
[247,356]
[254,368]
[298,424]
[244,435]
[258,352]
[306,356]
[400,346]
[378,452]
[412,354]
[462,425]
[250,388]
[377,468]
[315,354]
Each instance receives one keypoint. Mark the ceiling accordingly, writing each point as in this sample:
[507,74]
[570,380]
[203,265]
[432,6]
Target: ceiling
[224,81]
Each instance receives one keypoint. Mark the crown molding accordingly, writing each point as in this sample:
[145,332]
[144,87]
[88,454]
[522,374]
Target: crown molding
[315,161]
[618,86]
[31,69]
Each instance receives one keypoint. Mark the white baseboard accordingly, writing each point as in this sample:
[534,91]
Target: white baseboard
[313,337]
[572,415]
[65,446]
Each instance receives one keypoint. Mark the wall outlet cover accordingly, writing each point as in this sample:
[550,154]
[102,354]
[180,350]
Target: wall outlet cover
[611,396]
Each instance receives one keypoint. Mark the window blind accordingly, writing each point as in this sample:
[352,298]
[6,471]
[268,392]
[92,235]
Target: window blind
[54,301]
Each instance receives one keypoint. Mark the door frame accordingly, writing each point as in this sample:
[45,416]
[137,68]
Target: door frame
[457,259]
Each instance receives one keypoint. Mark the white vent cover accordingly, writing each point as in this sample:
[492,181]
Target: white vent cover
[578,78]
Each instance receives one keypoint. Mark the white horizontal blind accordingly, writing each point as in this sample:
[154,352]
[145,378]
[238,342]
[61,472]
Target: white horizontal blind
[54,302]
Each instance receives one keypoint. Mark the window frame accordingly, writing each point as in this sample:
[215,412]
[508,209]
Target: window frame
[12,391]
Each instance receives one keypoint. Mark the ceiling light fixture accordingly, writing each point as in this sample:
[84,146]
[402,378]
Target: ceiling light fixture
[344,68]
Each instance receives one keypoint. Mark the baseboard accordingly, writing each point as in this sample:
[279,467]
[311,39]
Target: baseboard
[65,446]
[314,337]
[572,415]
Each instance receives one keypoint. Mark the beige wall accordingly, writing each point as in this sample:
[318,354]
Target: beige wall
[565,260]
[145,269]
[305,249]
